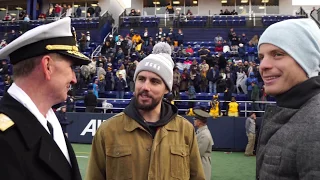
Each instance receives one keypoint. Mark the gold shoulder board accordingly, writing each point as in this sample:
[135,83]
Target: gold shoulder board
[5,122]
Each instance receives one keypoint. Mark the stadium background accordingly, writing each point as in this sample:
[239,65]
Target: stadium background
[199,30]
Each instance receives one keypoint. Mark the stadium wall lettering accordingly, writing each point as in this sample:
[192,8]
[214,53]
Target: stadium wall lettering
[227,132]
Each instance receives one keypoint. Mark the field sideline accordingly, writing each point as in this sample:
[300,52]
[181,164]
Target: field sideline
[226,166]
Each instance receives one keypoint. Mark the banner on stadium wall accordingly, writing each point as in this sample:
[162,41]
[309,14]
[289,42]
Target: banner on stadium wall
[227,132]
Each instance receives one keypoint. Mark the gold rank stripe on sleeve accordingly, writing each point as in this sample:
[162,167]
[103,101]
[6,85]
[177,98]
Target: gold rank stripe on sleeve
[5,122]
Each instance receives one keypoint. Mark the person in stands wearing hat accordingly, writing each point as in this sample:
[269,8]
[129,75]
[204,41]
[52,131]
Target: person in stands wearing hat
[148,140]
[289,138]
[32,142]
[61,115]
[205,141]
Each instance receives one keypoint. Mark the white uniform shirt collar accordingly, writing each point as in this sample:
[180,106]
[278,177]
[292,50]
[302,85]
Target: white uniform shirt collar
[18,94]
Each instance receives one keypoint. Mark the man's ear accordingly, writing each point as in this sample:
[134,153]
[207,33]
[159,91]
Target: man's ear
[47,66]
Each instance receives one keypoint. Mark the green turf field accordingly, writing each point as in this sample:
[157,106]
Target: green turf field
[232,166]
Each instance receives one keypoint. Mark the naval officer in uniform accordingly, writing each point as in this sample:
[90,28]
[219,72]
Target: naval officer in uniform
[205,141]
[32,144]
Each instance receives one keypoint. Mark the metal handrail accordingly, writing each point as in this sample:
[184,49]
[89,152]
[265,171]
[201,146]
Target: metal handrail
[246,111]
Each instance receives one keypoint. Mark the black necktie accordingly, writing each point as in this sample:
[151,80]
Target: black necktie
[50,128]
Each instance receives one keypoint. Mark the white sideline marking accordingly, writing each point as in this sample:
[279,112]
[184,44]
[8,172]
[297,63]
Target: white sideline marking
[82,157]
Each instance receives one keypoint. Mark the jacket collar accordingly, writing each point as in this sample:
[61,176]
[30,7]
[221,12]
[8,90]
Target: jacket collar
[131,125]
[34,134]
[202,129]
[299,94]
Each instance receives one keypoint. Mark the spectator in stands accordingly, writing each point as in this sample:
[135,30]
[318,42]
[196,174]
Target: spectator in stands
[234,50]
[119,55]
[244,40]
[95,87]
[215,110]
[221,61]
[241,82]
[226,47]
[64,10]
[203,81]
[251,134]
[83,42]
[4,70]
[8,17]
[255,96]
[97,10]
[42,17]
[180,37]
[221,82]
[130,75]
[176,83]
[234,39]
[120,85]
[50,12]
[217,39]
[218,47]
[7,82]
[123,72]
[26,18]
[172,35]
[69,11]
[101,71]
[242,52]
[250,79]
[146,37]
[109,78]
[212,77]
[234,12]
[184,80]
[233,108]
[230,34]
[12,36]
[78,11]
[88,39]
[255,40]
[189,51]
[160,34]
[132,12]
[251,50]
[147,112]
[136,38]
[227,12]
[90,101]
[191,93]
[90,11]
[57,10]
[169,8]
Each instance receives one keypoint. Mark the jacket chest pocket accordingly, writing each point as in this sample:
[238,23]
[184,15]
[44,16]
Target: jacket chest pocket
[119,162]
[179,161]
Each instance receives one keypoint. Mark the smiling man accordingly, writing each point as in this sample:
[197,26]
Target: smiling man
[33,145]
[148,140]
[289,142]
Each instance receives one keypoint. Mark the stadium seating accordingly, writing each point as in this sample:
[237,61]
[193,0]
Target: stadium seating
[268,20]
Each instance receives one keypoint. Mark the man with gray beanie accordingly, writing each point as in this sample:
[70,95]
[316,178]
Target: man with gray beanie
[148,140]
[289,142]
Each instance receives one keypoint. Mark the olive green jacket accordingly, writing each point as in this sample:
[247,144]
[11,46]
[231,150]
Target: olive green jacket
[123,149]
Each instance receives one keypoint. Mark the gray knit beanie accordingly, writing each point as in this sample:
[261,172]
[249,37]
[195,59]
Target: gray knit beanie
[159,62]
[299,38]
